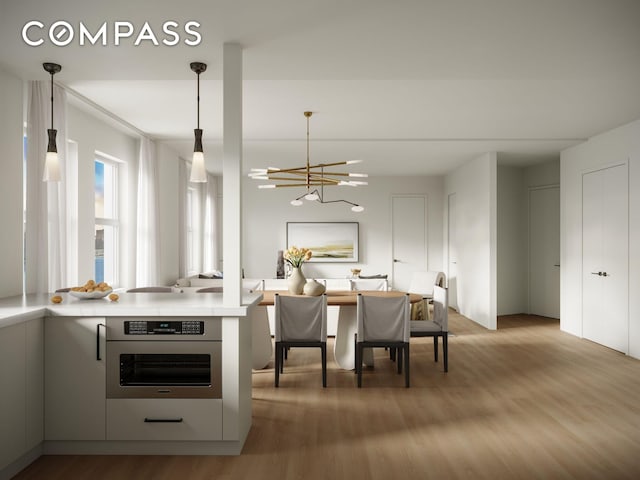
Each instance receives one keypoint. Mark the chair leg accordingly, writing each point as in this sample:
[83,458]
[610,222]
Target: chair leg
[392,354]
[355,353]
[445,350]
[359,363]
[399,359]
[277,369]
[435,348]
[406,365]
[323,352]
[283,356]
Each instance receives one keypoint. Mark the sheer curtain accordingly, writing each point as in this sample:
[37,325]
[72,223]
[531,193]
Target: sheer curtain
[147,241]
[198,223]
[209,198]
[46,207]
[183,217]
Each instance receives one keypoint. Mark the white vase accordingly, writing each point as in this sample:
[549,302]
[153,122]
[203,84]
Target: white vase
[313,288]
[296,281]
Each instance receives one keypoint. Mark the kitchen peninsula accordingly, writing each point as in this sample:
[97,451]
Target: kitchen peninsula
[56,361]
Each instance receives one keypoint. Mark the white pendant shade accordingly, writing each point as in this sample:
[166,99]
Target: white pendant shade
[198,171]
[51,168]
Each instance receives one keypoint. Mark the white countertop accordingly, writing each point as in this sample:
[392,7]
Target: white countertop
[26,307]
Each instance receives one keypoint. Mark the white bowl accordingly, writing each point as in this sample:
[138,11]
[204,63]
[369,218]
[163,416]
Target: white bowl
[91,295]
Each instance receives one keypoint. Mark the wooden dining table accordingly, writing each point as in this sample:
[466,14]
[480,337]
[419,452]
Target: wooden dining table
[343,347]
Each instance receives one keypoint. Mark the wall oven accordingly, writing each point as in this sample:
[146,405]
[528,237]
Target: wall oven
[164,357]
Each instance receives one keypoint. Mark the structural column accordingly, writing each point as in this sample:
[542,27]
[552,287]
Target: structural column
[236,330]
[232,174]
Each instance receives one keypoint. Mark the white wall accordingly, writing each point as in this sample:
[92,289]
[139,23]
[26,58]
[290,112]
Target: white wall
[542,175]
[619,145]
[266,213]
[91,135]
[11,118]
[512,241]
[475,186]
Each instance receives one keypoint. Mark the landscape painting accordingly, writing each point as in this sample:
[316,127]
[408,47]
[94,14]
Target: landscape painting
[328,241]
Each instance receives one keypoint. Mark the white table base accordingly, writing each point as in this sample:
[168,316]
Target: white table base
[344,347]
[262,348]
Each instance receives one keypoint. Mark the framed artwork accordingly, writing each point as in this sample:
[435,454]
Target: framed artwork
[328,241]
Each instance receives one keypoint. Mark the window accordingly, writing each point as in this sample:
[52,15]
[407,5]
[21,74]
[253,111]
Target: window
[107,224]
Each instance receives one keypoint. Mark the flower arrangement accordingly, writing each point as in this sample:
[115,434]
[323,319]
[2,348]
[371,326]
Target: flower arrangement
[297,256]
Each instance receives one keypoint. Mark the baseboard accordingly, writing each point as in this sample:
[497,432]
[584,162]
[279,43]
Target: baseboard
[21,463]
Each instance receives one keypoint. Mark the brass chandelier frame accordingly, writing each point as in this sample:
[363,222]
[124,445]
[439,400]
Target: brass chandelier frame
[311,177]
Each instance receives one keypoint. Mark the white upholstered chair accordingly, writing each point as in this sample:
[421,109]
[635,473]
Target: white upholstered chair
[300,321]
[438,327]
[210,290]
[151,290]
[359,284]
[422,283]
[383,322]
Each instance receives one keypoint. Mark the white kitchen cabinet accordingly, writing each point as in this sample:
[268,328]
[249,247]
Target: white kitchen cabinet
[34,382]
[75,390]
[21,398]
[12,399]
[164,419]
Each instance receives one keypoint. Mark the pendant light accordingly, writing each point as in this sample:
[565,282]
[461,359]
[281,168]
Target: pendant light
[51,162]
[198,171]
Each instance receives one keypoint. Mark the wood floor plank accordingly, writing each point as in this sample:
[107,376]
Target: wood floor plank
[525,401]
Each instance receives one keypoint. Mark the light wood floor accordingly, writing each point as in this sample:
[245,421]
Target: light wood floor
[526,401]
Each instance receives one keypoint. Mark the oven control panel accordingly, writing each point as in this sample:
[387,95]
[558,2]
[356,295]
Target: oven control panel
[159,327]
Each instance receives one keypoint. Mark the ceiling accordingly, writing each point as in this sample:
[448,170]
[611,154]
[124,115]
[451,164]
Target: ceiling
[410,87]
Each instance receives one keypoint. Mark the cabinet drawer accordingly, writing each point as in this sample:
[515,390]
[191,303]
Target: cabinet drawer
[164,419]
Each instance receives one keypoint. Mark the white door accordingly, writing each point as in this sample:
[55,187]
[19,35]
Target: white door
[452,255]
[409,238]
[544,252]
[605,257]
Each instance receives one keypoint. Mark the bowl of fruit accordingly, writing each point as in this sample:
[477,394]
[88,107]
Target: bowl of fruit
[91,290]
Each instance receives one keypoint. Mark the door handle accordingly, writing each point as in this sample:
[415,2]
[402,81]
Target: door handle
[557,265]
[600,274]
[98,357]
[395,260]
[162,420]
[605,274]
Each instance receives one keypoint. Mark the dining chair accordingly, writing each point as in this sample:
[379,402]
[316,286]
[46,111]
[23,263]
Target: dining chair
[210,290]
[300,322]
[438,327]
[380,284]
[383,322]
[422,283]
[151,290]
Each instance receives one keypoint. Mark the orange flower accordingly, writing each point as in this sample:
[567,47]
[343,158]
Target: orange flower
[297,256]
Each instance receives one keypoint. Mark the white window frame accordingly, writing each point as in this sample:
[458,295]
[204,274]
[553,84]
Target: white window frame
[114,221]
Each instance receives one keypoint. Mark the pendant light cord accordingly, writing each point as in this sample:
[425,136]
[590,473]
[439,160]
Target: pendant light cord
[198,96]
[308,171]
[52,101]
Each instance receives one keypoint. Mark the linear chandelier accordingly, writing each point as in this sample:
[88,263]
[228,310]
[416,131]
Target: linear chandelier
[312,177]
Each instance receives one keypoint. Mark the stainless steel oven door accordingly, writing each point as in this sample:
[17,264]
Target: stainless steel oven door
[164,369]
